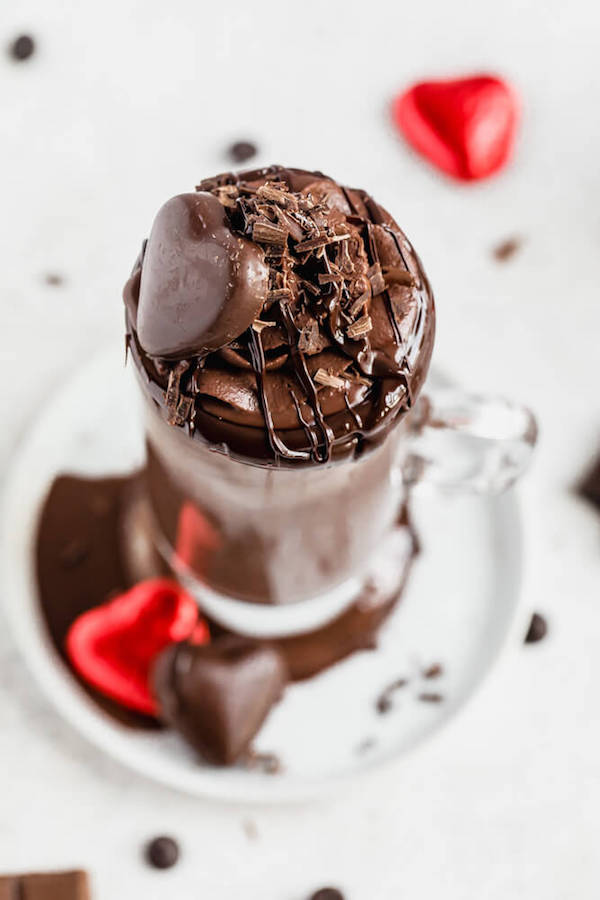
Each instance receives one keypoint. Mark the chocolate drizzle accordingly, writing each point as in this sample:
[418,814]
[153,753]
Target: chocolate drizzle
[341,345]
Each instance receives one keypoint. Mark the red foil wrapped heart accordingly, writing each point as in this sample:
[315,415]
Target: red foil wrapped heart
[466,127]
[113,647]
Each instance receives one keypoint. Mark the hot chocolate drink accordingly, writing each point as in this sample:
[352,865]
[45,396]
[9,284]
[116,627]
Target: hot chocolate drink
[281,326]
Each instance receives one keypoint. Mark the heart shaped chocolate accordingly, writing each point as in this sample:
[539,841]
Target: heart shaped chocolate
[113,646]
[218,696]
[465,127]
[201,286]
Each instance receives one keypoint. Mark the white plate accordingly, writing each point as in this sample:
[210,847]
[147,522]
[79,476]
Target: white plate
[459,609]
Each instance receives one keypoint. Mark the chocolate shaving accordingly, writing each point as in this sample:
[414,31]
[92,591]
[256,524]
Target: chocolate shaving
[396,275]
[359,328]
[323,240]
[376,279]
[430,697]
[279,195]
[327,380]
[259,325]
[265,232]
[308,342]
[433,671]
[173,400]
[358,304]
[280,294]
[290,223]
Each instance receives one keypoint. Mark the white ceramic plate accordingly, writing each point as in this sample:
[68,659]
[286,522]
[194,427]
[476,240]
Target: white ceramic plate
[459,609]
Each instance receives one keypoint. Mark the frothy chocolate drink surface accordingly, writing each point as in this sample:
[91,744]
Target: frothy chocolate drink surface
[279,317]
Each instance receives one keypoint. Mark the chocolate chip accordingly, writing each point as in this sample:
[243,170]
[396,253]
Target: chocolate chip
[538,628]
[506,249]
[430,697]
[162,852]
[22,47]
[242,150]
[53,279]
[433,671]
[589,487]
[327,893]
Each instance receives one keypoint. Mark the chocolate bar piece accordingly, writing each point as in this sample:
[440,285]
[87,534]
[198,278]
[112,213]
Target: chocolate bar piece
[45,886]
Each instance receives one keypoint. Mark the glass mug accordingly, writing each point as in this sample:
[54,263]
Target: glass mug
[272,552]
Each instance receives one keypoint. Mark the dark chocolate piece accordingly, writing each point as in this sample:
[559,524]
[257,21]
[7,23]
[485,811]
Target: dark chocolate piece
[538,629]
[507,249]
[327,893]
[346,297]
[162,852]
[201,285]
[219,695]
[242,151]
[385,701]
[22,47]
[72,885]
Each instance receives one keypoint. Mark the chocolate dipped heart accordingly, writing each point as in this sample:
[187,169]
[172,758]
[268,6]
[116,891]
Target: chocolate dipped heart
[219,695]
[466,127]
[200,285]
[113,646]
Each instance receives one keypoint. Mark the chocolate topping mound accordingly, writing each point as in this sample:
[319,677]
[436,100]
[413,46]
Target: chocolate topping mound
[280,316]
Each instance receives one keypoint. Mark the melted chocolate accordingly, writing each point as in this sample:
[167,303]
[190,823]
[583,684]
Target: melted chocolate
[83,555]
[339,348]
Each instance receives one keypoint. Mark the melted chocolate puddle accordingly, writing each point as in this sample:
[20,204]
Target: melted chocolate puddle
[80,563]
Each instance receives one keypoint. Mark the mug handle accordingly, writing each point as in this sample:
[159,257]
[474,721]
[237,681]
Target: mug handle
[468,442]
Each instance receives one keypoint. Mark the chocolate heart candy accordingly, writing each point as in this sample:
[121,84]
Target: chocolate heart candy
[218,696]
[114,645]
[201,286]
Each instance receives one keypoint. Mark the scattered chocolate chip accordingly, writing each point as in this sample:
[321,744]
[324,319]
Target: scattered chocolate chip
[538,628]
[22,47]
[327,893]
[250,829]
[74,553]
[242,150]
[427,697]
[385,700]
[53,279]
[162,852]
[589,487]
[506,249]
[433,671]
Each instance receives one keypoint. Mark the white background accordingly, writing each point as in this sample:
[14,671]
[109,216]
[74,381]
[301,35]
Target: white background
[127,103]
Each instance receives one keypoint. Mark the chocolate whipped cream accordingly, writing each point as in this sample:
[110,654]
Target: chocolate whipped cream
[279,317]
